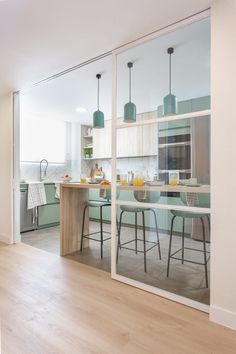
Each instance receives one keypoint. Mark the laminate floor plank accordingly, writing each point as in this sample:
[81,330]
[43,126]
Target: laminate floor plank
[53,305]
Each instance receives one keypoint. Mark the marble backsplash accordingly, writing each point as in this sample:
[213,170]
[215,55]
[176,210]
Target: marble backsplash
[145,165]
[31,171]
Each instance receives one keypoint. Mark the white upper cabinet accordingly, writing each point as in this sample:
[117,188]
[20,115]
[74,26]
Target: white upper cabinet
[131,141]
[149,135]
[102,141]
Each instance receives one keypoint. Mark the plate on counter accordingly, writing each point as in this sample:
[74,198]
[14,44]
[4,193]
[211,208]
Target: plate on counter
[154,183]
[192,185]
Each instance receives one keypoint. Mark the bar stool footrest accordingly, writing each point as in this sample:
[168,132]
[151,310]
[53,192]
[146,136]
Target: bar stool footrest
[139,251]
[87,236]
[186,260]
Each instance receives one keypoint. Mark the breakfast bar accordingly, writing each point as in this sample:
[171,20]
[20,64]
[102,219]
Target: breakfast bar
[73,198]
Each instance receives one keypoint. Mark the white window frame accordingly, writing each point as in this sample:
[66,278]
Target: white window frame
[67,150]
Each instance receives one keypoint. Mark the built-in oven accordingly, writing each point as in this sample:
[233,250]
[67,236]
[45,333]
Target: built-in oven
[174,155]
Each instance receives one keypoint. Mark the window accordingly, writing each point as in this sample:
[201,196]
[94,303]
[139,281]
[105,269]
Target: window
[42,138]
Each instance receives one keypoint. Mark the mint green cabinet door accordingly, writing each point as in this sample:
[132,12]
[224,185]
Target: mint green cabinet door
[50,191]
[48,215]
[200,104]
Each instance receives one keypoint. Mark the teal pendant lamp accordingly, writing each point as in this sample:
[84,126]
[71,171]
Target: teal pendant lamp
[170,101]
[98,116]
[129,108]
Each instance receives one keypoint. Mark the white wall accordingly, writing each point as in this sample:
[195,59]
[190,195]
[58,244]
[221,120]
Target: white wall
[223,249]
[6,120]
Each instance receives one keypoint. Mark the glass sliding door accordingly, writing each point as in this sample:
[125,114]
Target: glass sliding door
[161,164]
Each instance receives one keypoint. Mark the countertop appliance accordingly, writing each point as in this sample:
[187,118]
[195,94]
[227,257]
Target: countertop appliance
[27,217]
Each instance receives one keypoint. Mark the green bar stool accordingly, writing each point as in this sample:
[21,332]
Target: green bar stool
[100,205]
[202,200]
[149,197]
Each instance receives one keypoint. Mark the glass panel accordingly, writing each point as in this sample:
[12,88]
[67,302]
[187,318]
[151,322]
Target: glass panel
[148,261]
[165,163]
[57,125]
[179,173]
[150,72]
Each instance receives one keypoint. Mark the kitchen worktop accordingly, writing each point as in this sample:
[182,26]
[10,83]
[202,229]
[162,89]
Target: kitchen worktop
[163,188]
[44,182]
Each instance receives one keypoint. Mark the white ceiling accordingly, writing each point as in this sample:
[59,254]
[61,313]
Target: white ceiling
[59,98]
[41,37]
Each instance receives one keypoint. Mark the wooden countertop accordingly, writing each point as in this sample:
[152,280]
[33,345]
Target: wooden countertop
[165,188]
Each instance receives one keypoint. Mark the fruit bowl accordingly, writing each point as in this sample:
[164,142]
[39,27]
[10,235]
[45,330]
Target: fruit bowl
[66,178]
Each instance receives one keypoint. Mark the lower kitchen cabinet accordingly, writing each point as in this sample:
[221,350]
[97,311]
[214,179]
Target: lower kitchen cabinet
[48,215]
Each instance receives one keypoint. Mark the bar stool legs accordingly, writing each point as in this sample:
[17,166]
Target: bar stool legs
[82,232]
[102,232]
[118,242]
[144,243]
[157,232]
[119,246]
[204,251]
[183,241]
[170,244]
[182,249]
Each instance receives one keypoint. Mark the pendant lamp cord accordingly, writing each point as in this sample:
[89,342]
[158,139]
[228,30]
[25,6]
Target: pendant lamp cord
[98,94]
[170,76]
[130,84]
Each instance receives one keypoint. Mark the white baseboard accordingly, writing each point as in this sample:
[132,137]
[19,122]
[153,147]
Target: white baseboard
[5,239]
[224,317]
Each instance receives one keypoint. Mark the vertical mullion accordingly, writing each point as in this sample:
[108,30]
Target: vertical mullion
[113,165]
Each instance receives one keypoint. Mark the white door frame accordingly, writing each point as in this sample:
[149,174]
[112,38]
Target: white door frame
[16,168]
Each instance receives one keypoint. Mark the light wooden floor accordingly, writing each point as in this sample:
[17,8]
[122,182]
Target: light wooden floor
[187,280]
[52,305]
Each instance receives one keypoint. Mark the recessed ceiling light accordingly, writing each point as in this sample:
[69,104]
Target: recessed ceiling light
[81,110]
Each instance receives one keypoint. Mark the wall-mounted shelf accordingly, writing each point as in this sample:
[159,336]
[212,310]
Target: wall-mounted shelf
[96,158]
[119,158]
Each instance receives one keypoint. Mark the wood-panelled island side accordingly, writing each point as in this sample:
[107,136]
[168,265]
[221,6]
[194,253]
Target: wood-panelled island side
[73,197]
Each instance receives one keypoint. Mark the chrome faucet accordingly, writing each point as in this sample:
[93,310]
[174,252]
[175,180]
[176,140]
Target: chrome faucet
[40,169]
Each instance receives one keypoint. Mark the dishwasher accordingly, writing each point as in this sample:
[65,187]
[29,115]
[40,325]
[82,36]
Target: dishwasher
[27,216]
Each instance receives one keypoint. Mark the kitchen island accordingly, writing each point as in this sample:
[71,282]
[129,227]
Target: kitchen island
[73,198]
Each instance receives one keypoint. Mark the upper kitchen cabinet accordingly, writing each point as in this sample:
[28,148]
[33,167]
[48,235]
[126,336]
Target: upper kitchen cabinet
[102,141]
[131,141]
[149,135]
[138,141]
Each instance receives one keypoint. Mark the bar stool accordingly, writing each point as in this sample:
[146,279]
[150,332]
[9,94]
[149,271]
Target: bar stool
[100,205]
[149,197]
[202,200]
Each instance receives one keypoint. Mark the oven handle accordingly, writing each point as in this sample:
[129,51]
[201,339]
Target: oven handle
[166,171]
[183,143]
